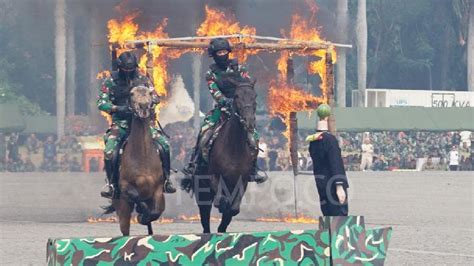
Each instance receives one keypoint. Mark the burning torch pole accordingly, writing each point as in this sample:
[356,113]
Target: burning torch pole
[290,73]
[330,91]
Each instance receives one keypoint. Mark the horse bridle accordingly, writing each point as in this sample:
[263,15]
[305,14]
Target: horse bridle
[241,119]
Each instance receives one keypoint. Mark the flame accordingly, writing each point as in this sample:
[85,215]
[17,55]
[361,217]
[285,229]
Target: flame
[219,23]
[102,75]
[196,218]
[285,98]
[290,219]
[162,220]
[302,31]
[122,31]
[154,63]
[133,220]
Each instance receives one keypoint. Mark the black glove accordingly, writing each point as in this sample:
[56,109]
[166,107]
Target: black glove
[122,110]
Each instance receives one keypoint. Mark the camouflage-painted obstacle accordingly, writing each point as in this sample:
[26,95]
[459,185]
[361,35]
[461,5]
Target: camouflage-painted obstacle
[337,241]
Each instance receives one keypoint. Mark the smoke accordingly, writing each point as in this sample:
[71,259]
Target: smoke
[34,61]
[179,106]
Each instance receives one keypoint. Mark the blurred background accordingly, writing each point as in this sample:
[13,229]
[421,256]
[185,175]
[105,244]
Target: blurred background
[405,54]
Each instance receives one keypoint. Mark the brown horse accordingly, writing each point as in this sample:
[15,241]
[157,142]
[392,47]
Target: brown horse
[141,174]
[230,160]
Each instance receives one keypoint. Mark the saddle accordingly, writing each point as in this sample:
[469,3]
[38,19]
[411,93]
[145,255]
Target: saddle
[207,140]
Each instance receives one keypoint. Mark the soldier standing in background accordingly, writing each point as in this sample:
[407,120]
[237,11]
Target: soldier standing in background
[453,159]
[328,167]
[367,155]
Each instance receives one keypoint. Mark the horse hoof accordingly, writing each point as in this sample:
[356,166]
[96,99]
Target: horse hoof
[143,219]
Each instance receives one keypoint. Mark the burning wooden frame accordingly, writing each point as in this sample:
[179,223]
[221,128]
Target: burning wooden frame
[250,42]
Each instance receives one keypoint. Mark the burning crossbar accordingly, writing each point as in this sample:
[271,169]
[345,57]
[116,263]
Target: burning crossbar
[196,42]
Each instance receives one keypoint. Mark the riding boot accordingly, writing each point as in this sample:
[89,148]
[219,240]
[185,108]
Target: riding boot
[166,162]
[193,164]
[109,189]
[189,170]
[254,176]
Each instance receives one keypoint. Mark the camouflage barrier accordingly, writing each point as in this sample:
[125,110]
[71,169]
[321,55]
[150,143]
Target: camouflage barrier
[337,241]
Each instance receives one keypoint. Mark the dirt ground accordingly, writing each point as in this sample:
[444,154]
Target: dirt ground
[431,212]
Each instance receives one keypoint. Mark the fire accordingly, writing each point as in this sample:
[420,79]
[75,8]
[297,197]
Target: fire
[160,57]
[102,75]
[290,219]
[196,218]
[220,23]
[122,31]
[162,220]
[133,220]
[302,31]
[285,98]
[155,64]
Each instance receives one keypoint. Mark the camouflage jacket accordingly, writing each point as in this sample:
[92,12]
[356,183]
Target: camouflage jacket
[115,91]
[213,76]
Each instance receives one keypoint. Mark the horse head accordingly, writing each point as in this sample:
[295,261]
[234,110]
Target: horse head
[141,102]
[245,102]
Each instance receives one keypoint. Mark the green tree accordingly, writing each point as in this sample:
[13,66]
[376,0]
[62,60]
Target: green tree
[413,44]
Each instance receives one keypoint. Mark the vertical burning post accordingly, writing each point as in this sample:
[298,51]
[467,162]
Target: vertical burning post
[293,125]
[330,90]
[293,131]
[113,55]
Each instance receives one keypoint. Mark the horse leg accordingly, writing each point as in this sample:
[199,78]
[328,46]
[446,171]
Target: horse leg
[226,219]
[124,212]
[204,198]
[157,205]
[205,213]
[151,210]
[233,208]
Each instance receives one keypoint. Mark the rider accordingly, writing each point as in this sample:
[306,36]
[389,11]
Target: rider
[113,99]
[219,49]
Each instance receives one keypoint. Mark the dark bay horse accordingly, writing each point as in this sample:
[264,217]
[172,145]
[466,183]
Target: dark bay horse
[230,160]
[141,174]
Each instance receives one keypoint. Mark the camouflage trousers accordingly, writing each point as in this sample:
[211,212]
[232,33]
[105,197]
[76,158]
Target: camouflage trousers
[210,122]
[213,117]
[119,130]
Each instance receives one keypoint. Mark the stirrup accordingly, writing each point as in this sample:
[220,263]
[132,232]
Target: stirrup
[110,193]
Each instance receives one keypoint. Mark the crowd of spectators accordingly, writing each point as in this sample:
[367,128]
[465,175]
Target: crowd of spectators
[375,151]
[41,154]
[403,150]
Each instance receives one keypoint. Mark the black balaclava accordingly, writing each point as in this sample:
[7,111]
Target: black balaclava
[222,61]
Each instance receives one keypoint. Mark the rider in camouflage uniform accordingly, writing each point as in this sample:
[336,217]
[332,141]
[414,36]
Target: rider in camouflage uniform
[114,99]
[219,50]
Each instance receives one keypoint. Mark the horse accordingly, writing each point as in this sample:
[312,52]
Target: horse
[141,174]
[230,160]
